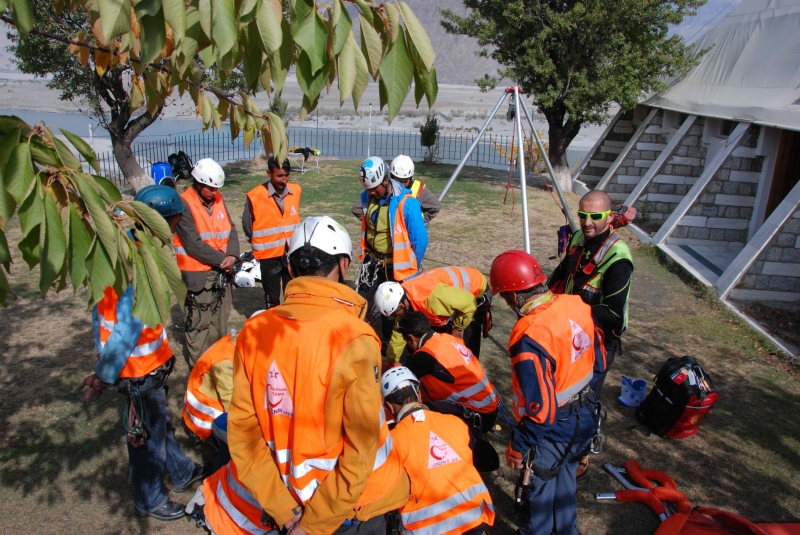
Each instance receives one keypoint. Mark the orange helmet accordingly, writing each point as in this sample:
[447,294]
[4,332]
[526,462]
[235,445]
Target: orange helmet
[515,271]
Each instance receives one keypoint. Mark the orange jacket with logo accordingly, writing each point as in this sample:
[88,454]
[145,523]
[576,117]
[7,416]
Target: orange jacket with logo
[214,229]
[404,261]
[230,508]
[200,407]
[306,423]
[471,388]
[448,496]
[554,350]
[151,351]
[462,280]
[272,229]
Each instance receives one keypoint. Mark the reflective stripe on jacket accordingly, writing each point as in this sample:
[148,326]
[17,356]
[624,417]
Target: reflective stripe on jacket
[272,229]
[471,388]
[404,261]
[230,508]
[564,331]
[214,229]
[199,409]
[294,371]
[448,496]
[151,351]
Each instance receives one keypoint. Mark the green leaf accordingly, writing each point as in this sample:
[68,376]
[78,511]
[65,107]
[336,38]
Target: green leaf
[8,144]
[22,14]
[383,96]
[268,20]
[152,266]
[299,10]
[65,155]
[10,122]
[7,205]
[147,7]
[418,37]
[78,243]
[53,245]
[115,17]
[153,220]
[307,107]
[19,172]
[101,271]
[393,14]
[29,247]
[83,148]
[4,288]
[312,37]
[309,83]
[105,227]
[362,74]
[343,26]
[427,85]
[144,302]
[43,153]
[282,59]
[152,93]
[280,141]
[108,191]
[366,11]
[397,72]
[347,69]
[31,209]
[371,47]
[175,15]
[225,32]
[153,36]
[207,105]
[205,10]
[253,58]
[5,254]
[173,274]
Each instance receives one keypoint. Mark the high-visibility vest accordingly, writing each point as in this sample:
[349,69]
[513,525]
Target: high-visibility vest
[271,229]
[416,188]
[151,351]
[199,409]
[404,261]
[230,508]
[290,374]
[612,250]
[419,289]
[214,229]
[564,328]
[471,388]
[448,496]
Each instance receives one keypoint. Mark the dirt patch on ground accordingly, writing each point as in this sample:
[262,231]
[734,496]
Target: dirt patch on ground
[63,464]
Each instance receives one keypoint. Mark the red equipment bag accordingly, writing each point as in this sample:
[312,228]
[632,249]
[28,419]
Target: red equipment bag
[681,397]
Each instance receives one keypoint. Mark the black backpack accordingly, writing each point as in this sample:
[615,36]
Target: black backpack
[681,398]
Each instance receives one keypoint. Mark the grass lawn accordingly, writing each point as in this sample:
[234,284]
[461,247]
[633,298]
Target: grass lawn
[63,464]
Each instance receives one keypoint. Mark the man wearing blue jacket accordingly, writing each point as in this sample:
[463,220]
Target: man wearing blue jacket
[136,360]
[393,235]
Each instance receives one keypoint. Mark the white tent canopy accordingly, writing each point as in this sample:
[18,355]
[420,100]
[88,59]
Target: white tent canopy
[752,73]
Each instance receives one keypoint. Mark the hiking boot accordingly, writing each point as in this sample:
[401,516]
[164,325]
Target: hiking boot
[168,511]
[583,468]
[200,471]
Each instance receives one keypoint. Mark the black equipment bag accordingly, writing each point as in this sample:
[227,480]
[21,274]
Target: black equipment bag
[681,397]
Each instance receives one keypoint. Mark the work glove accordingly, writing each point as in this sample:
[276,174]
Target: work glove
[514,458]
[96,387]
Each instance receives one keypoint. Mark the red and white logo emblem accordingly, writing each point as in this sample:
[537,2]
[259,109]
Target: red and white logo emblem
[440,453]
[397,229]
[466,354]
[277,399]
[580,340]
[293,211]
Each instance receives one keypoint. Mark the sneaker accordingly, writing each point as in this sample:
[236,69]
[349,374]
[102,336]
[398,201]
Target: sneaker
[200,471]
[168,511]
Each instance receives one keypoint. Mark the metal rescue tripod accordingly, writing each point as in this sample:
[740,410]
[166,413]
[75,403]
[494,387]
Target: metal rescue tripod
[513,95]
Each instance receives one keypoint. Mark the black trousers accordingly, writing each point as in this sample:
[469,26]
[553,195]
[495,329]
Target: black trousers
[274,278]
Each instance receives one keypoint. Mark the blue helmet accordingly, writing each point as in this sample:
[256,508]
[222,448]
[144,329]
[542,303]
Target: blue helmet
[162,199]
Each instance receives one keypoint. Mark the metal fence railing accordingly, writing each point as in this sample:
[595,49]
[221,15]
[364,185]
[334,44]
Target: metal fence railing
[343,144]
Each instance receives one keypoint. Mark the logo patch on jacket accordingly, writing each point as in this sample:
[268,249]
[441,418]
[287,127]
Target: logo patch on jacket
[440,453]
[580,340]
[277,399]
[466,354]
[293,211]
[397,229]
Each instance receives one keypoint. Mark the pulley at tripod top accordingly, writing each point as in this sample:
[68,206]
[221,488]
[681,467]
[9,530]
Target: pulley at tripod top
[512,109]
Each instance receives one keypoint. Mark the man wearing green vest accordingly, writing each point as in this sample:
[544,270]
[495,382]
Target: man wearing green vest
[598,266]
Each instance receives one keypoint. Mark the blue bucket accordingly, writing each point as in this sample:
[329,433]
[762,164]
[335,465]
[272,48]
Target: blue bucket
[159,171]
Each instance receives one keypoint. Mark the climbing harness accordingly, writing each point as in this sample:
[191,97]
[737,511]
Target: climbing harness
[367,274]
[133,417]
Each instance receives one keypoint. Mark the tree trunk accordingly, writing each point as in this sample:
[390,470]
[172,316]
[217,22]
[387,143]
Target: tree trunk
[133,172]
[560,135]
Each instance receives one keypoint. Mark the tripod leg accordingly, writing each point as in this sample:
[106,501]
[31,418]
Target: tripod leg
[522,180]
[471,148]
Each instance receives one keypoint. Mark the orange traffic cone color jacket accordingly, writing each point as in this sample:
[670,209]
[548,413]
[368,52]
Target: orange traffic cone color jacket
[230,508]
[214,229]
[306,424]
[272,229]
[199,408]
[448,496]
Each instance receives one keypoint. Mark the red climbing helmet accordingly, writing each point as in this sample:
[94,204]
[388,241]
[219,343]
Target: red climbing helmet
[515,271]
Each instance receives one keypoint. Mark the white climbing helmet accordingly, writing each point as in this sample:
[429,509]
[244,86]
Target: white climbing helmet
[323,233]
[388,297]
[402,167]
[373,172]
[396,378]
[244,279]
[209,172]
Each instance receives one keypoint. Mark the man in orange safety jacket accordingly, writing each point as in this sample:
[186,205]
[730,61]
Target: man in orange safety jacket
[306,426]
[556,349]
[448,495]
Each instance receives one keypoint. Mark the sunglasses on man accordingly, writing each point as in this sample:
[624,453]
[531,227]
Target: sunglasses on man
[594,216]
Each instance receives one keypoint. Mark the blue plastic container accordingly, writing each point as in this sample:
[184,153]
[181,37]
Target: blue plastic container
[159,171]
